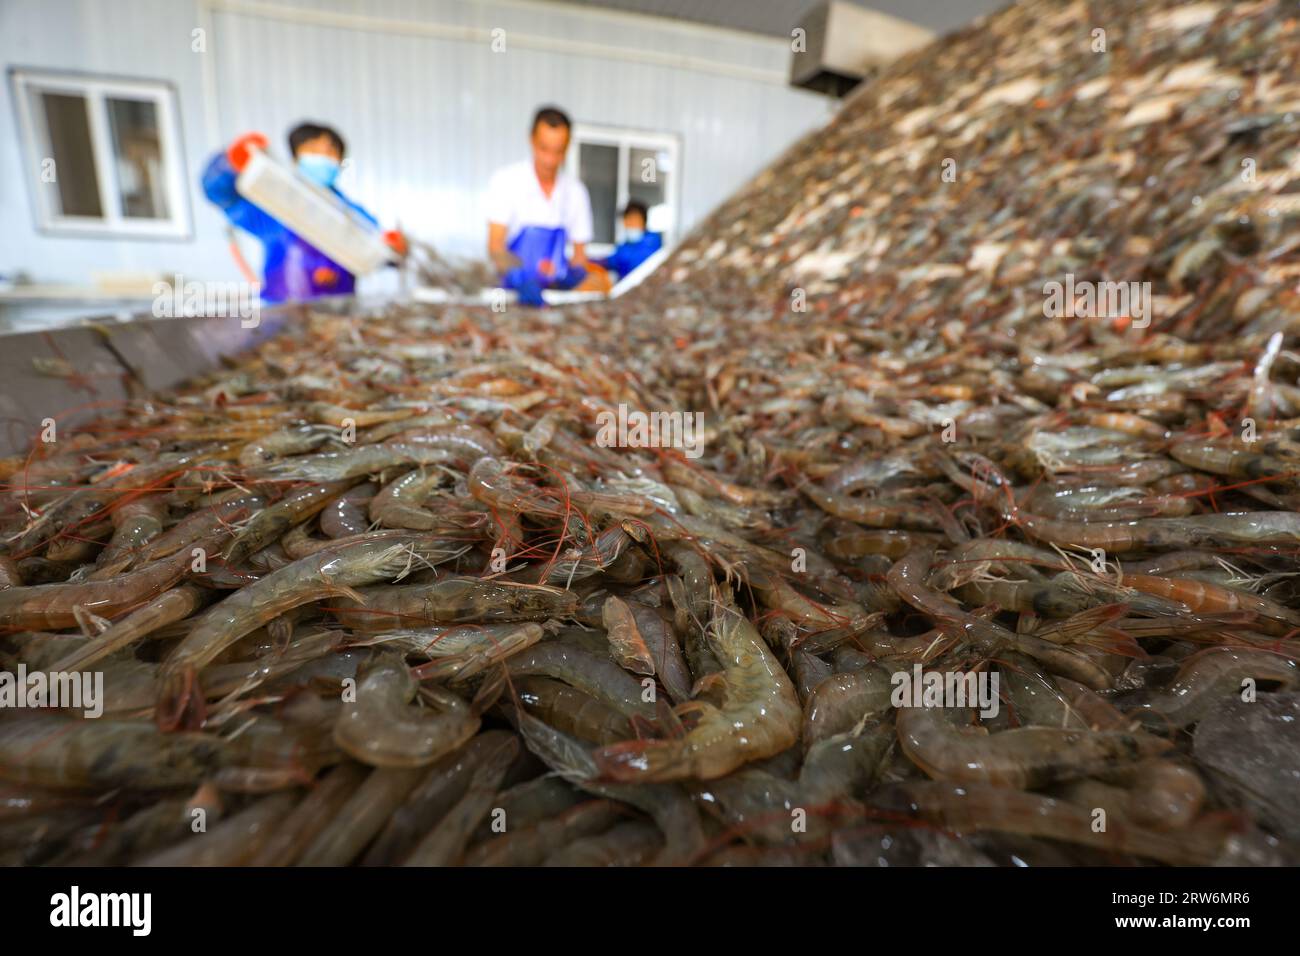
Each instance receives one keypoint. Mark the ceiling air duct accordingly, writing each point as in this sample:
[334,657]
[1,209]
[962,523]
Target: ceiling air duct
[841,42]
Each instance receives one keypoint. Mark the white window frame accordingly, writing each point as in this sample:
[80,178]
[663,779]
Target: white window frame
[626,140]
[28,84]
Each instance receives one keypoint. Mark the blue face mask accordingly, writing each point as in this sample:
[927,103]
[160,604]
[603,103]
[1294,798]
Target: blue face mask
[633,235]
[322,170]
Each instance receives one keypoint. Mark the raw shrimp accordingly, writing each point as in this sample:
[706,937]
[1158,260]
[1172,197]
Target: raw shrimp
[597,676]
[453,600]
[873,512]
[624,844]
[461,652]
[1207,678]
[50,750]
[776,593]
[281,444]
[490,482]
[436,794]
[296,831]
[52,606]
[466,443]
[269,523]
[849,545]
[333,571]
[10,576]
[870,473]
[531,842]
[337,416]
[843,766]
[1035,699]
[1158,794]
[692,603]
[382,728]
[1204,598]
[540,435]
[758,716]
[446,842]
[669,806]
[1219,459]
[838,703]
[581,563]
[760,805]
[1200,531]
[78,507]
[233,507]
[1020,759]
[344,517]
[397,504]
[638,633]
[370,806]
[570,710]
[161,824]
[1104,503]
[526,804]
[626,645]
[807,669]
[907,578]
[710,485]
[167,608]
[976,808]
[231,842]
[135,524]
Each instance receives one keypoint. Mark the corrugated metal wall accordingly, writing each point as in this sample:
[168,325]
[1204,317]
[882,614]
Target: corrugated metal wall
[427,106]
[148,39]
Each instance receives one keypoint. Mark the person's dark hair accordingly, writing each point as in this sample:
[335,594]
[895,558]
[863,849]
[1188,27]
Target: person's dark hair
[305,132]
[551,116]
[636,205]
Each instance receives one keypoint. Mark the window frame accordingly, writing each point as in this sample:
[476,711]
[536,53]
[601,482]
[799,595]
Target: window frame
[626,139]
[27,83]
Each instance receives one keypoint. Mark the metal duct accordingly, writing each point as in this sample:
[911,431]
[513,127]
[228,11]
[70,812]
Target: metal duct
[841,42]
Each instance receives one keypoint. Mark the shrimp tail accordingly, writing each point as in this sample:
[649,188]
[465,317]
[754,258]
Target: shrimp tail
[1097,633]
[1091,628]
[641,761]
[343,591]
[1112,641]
[180,704]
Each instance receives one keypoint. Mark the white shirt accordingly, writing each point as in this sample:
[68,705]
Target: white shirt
[515,200]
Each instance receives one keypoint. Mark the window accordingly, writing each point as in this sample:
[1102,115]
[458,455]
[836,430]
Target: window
[103,154]
[617,165]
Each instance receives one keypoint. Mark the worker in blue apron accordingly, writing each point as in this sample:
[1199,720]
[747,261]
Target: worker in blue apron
[292,269]
[536,210]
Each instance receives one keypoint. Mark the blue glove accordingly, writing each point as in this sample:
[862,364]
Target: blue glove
[527,283]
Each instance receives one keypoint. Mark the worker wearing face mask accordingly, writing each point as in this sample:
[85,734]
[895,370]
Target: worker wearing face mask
[293,269]
[637,246]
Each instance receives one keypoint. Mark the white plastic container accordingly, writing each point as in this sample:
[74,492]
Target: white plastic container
[312,212]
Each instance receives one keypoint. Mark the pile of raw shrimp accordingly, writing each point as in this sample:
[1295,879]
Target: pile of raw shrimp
[946,570]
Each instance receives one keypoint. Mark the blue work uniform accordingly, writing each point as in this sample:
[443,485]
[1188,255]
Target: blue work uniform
[628,255]
[532,245]
[290,261]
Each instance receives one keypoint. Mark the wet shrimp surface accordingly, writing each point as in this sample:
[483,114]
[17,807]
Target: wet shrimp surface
[973,555]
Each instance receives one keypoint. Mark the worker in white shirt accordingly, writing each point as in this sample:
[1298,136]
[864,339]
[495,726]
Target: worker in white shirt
[535,210]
